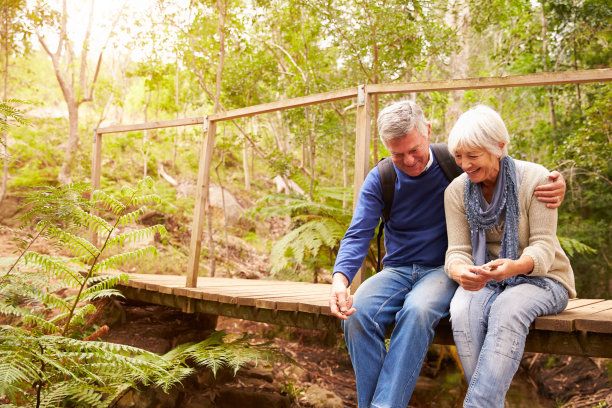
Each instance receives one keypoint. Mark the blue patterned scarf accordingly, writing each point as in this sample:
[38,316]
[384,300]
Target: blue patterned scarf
[504,206]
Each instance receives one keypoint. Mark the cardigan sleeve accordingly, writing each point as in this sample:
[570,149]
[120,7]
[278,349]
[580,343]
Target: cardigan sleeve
[457,227]
[542,223]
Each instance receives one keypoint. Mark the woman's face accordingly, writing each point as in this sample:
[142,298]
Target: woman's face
[480,165]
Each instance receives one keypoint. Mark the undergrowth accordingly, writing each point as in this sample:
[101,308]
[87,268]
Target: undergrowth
[46,360]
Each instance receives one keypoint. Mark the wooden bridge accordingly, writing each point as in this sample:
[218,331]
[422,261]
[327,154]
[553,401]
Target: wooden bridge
[583,329]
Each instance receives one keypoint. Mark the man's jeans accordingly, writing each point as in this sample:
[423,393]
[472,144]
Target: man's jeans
[490,327]
[415,298]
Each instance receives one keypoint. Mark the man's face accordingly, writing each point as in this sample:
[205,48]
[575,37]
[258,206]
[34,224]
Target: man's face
[410,153]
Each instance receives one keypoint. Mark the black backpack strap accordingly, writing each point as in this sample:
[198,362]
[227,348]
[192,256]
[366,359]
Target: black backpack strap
[387,175]
[446,161]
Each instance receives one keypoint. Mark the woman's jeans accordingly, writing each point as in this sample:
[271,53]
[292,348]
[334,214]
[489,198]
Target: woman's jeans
[490,327]
[415,298]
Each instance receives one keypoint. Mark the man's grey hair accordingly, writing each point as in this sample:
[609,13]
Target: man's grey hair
[399,119]
[479,128]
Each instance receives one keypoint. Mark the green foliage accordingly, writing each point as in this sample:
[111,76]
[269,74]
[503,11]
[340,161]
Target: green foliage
[8,112]
[572,246]
[43,359]
[214,353]
[317,225]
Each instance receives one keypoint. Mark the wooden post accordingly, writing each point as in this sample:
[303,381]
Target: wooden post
[362,156]
[96,169]
[209,129]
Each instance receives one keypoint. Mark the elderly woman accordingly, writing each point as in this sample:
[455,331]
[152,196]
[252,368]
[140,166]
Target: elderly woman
[503,252]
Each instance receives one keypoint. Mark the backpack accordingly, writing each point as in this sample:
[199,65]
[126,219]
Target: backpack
[388,177]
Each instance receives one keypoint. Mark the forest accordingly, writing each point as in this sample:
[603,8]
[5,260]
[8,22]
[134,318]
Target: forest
[282,182]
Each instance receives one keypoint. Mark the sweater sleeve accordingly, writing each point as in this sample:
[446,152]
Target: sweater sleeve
[457,227]
[356,242]
[542,225]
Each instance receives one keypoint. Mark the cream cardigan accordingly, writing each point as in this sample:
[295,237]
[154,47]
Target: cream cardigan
[537,228]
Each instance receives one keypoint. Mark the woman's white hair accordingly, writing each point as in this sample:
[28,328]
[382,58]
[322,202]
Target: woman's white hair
[479,128]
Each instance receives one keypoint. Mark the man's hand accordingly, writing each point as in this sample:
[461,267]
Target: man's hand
[552,193]
[340,303]
[468,276]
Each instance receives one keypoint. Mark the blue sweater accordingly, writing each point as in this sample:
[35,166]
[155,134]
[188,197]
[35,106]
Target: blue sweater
[416,230]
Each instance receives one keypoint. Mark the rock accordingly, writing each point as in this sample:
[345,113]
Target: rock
[151,398]
[218,198]
[258,372]
[199,401]
[319,397]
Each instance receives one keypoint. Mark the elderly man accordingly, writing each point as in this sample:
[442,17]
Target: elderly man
[412,291]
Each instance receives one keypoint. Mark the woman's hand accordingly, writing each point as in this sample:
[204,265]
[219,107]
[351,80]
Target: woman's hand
[499,269]
[340,302]
[468,276]
[503,268]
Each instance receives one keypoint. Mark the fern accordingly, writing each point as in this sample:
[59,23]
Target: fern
[115,261]
[573,246]
[56,268]
[214,353]
[45,354]
[317,225]
[136,236]
[10,112]
[109,202]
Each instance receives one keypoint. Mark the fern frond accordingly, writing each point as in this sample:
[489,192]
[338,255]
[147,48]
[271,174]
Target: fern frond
[106,293]
[80,314]
[131,217]
[95,223]
[79,247]
[127,191]
[136,236]
[103,287]
[116,260]
[38,322]
[69,393]
[145,199]
[51,301]
[55,268]
[307,238]
[13,375]
[572,246]
[214,353]
[10,310]
[108,201]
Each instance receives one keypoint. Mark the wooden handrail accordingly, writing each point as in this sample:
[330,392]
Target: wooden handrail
[547,78]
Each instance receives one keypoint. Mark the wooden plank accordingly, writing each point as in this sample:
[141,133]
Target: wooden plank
[540,79]
[565,321]
[574,303]
[197,226]
[599,322]
[286,104]
[152,125]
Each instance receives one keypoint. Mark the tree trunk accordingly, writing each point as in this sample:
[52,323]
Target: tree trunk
[549,96]
[72,78]
[4,144]
[65,174]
